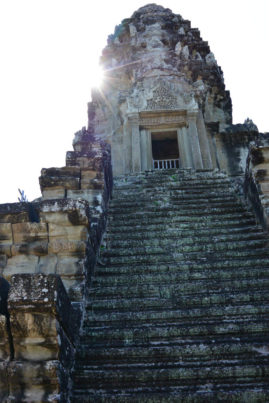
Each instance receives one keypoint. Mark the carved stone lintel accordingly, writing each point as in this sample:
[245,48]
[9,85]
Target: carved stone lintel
[161,118]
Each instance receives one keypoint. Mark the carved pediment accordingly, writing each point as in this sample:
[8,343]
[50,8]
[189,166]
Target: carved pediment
[162,99]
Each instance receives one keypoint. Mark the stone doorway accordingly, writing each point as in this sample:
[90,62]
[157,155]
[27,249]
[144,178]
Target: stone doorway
[165,150]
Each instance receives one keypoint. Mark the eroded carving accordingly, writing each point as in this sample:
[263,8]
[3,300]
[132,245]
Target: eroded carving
[162,99]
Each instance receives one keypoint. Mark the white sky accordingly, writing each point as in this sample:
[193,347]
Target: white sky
[49,50]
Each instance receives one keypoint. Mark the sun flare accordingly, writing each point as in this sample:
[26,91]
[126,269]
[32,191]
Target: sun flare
[97,77]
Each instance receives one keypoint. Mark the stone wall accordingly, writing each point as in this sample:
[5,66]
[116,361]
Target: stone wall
[232,146]
[256,185]
[48,251]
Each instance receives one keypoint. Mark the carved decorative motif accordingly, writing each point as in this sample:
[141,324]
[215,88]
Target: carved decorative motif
[162,99]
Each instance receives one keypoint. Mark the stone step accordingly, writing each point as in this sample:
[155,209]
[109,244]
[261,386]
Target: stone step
[167,332]
[173,178]
[159,255]
[175,316]
[171,211]
[179,246]
[170,290]
[175,197]
[179,300]
[198,219]
[178,214]
[174,204]
[170,174]
[185,374]
[255,392]
[175,190]
[200,183]
[150,239]
[181,171]
[212,269]
[149,186]
[171,275]
[172,196]
[188,351]
[236,224]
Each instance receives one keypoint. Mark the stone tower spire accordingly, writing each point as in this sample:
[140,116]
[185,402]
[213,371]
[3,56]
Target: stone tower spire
[160,77]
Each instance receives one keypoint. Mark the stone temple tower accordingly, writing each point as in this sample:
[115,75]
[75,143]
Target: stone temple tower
[163,96]
[144,280]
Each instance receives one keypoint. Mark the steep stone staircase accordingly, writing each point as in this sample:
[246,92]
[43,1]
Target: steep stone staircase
[178,311]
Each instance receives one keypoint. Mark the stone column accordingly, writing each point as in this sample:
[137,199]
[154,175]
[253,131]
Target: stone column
[185,153]
[204,144]
[144,149]
[127,149]
[136,153]
[194,140]
[181,148]
[149,150]
[187,147]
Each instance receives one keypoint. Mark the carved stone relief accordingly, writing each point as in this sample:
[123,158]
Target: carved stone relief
[162,99]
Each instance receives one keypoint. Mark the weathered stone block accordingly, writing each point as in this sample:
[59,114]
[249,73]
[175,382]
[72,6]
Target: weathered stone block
[4,384]
[76,232]
[63,172]
[47,264]
[84,160]
[77,212]
[75,286]
[29,232]
[39,248]
[3,261]
[92,184]
[4,344]
[14,212]
[56,218]
[69,266]
[66,247]
[56,193]
[259,155]
[90,195]
[6,233]
[88,174]
[43,295]
[20,264]
[34,382]
[35,336]
[264,187]
[5,249]
[59,183]
[60,178]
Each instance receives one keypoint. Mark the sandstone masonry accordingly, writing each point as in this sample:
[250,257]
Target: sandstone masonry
[159,293]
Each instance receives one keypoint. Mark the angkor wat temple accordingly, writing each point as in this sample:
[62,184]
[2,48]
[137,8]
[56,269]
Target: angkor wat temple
[142,273]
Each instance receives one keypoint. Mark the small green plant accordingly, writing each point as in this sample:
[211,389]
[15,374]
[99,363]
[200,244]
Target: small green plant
[174,177]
